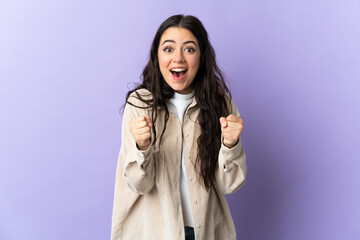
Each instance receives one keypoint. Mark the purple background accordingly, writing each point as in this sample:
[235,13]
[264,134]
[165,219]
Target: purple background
[293,68]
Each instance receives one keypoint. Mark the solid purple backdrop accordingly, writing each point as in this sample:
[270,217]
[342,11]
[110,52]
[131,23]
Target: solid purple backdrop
[293,68]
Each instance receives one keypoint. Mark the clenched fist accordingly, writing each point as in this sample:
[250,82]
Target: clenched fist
[140,128]
[231,128]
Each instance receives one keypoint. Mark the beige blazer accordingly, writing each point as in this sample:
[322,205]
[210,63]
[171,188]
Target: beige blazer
[147,203]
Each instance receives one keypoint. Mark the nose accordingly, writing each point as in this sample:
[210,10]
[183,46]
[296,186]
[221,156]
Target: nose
[178,56]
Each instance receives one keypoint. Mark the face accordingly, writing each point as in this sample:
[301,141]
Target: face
[179,58]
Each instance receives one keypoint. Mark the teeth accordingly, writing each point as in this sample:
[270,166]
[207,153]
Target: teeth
[178,69]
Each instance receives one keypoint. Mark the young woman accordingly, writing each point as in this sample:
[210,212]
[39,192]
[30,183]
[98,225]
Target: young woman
[181,149]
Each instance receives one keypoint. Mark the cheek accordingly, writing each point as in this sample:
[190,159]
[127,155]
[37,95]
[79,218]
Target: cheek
[163,61]
[194,62]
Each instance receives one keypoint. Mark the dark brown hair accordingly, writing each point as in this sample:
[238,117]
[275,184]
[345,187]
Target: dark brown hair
[210,92]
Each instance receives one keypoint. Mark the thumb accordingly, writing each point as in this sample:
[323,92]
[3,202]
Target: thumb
[223,122]
[148,121]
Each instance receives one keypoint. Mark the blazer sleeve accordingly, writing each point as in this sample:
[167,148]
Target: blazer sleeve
[138,166]
[231,172]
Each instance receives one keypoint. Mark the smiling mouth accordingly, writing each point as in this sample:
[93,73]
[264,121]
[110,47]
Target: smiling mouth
[178,73]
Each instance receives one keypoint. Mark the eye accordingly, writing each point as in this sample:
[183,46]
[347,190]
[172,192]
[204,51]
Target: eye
[167,49]
[189,50]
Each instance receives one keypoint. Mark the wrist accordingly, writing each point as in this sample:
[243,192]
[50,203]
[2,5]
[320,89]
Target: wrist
[230,145]
[143,146]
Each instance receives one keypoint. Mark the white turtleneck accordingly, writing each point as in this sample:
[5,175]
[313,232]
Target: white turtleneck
[178,105]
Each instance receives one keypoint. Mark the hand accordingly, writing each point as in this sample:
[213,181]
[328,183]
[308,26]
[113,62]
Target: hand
[140,128]
[231,128]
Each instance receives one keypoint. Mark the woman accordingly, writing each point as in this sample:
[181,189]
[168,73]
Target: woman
[181,149]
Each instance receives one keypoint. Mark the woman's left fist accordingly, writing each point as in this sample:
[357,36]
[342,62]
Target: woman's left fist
[231,128]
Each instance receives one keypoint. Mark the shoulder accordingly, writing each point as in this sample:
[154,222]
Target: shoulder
[231,105]
[140,97]
[143,92]
[138,103]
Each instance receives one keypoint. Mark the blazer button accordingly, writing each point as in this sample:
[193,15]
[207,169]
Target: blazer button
[190,178]
[195,201]
[198,225]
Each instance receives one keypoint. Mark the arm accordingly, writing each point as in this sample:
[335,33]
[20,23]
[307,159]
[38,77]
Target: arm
[231,172]
[138,165]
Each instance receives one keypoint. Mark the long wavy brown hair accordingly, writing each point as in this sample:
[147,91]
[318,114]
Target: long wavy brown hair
[210,92]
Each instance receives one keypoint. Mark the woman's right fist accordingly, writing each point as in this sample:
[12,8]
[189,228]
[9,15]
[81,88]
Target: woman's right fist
[140,128]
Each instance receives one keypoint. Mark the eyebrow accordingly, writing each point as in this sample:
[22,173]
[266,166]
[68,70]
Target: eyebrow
[172,41]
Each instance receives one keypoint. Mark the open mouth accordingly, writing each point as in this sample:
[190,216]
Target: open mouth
[178,72]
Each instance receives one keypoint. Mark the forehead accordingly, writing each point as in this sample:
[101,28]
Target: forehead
[178,35]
